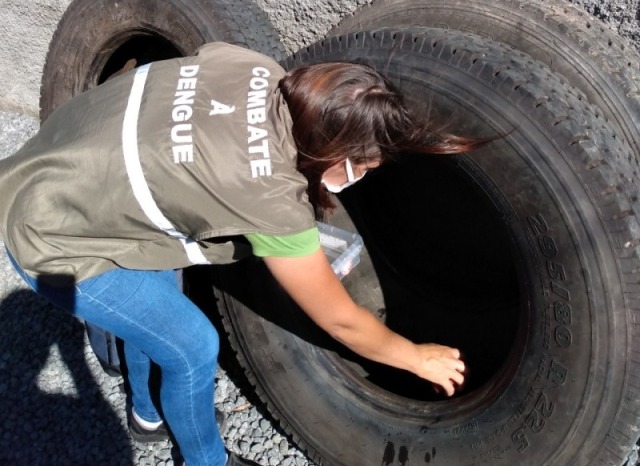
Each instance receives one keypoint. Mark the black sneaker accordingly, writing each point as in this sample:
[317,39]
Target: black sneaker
[143,435]
[235,460]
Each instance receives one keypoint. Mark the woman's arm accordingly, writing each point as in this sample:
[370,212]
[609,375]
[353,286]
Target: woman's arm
[311,283]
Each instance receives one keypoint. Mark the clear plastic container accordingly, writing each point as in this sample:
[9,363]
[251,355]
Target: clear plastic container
[341,247]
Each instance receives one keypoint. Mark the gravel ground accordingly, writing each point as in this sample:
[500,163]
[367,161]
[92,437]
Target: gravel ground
[57,405]
[621,15]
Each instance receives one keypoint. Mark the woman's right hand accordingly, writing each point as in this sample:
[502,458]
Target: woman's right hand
[440,365]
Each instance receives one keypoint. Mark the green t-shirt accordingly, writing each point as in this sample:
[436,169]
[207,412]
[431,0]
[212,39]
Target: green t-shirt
[296,245]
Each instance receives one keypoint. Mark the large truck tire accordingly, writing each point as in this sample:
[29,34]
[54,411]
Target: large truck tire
[523,254]
[573,43]
[97,39]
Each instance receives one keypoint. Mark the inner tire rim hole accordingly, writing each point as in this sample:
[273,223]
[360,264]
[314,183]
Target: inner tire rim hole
[449,278]
[138,50]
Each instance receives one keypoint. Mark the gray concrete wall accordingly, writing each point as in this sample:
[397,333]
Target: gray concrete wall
[27,27]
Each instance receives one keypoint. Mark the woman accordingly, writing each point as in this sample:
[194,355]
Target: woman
[198,160]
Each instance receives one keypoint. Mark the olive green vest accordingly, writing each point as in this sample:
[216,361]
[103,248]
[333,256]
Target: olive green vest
[158,168]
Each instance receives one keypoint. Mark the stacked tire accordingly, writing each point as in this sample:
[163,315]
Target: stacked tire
[523,254]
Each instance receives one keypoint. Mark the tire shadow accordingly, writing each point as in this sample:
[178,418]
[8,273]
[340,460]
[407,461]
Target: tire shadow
[74,427]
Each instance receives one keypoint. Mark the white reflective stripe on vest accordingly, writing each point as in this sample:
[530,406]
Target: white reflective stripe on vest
[136,177]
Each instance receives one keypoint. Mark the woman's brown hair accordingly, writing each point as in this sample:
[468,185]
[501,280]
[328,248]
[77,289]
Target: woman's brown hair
[346,110]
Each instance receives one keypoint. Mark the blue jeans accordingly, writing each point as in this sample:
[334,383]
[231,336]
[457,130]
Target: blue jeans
[157,323]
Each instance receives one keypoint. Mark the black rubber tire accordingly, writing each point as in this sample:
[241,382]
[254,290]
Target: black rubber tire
[574,44]
[97,38]
[541,225]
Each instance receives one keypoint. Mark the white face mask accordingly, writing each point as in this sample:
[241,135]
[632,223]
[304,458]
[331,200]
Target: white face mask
[351,178]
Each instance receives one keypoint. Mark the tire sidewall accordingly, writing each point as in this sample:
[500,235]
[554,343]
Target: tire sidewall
[574,44]
[547,402]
